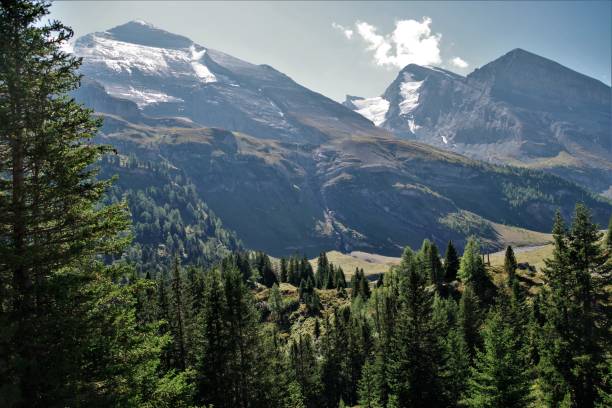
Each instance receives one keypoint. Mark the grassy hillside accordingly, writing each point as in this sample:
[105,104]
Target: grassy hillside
[374,195]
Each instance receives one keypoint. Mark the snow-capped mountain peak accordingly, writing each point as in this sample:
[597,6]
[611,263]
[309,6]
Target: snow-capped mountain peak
[169,75]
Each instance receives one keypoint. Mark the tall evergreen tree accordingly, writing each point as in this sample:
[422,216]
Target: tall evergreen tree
[510,265]
[451,263]
[415,360]
[284,271]
[70,334]
[304,369]
[430,261]
[322,272]
[275,303]
[469,319]
[500,377]
[177,322]
[472,270]
[575,330]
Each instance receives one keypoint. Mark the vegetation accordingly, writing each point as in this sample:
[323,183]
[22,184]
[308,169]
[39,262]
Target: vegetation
[87,320]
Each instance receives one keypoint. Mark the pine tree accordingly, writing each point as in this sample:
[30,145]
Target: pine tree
[415,354]
[275,303]
[430,260]
[472,270]
[304,369]
[510,265]
[263,265]
[469,319]
[340,278]
[70,334]
[574,331]
[451,263]
[178,317]
[284,272]
[322,272]
[371,384]
[500,377]
[214,349]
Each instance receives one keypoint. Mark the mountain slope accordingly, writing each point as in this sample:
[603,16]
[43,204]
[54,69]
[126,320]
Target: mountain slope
[290,170]
[520,109]
[374,195]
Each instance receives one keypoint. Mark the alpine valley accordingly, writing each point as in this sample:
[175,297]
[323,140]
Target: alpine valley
[290,170]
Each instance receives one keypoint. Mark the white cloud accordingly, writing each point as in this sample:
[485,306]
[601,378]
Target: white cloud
[348,33]
[411,42]
[459,62]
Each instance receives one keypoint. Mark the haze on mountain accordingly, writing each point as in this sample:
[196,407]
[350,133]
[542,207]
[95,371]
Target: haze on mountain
[289,169]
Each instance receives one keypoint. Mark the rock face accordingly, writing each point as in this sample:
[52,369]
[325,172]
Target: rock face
[520,109]
[290,170]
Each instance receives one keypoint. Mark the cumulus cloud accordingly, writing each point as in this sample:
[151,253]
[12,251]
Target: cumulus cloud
[411,42]
[348,33]
[459,62]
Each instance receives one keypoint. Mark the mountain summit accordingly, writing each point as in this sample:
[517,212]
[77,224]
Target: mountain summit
[166,74]
[520,109]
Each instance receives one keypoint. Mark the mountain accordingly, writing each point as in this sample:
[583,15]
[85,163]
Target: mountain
[291,170]
[521,109]
[165,74]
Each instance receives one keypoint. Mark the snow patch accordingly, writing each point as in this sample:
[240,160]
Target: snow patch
[374,109]
[444,139]
[413,126]
[120,56]
[142,97]
[409,91]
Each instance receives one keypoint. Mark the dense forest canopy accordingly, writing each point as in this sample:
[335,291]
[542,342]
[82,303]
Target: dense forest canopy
[184,316]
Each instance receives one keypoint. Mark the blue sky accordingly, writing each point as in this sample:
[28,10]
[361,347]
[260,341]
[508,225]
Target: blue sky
[357,48]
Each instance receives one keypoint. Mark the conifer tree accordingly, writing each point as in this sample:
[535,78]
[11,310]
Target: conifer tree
[371,384]
[430,260]
[500,377]
[574,331]
[275,303]
[510,265]
[304,369]
[177,322]
[284,272]
[451,263]
[70,334]
[472,270]
[415,360]
[322,272]
[469,319]
[340,278]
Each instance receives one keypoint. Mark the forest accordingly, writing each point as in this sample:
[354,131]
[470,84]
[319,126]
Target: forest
[94,315]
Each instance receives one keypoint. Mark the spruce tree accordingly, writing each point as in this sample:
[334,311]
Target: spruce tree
[177,322]
[284,272]
[371,384]
[322,272]
[340,278]
[415,353]
[469,319]
[451,263]
[214,353]
[275,303]
[575,336]
[510,265]
[472,270]
[500,377]
[304,369]
[70,334]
